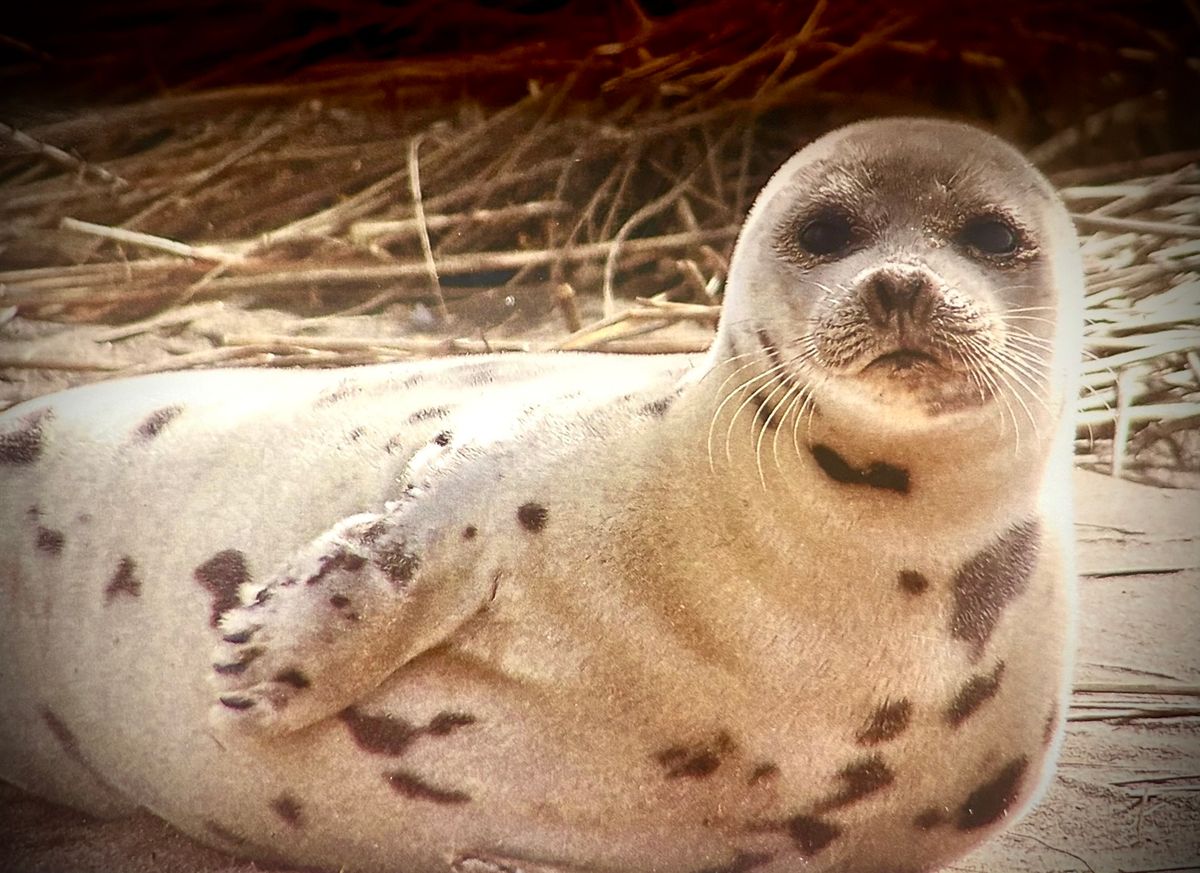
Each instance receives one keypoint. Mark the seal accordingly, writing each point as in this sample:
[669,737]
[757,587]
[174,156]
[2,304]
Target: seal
[804,602]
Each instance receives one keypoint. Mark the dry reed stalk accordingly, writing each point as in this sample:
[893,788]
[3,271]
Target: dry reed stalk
[303,194]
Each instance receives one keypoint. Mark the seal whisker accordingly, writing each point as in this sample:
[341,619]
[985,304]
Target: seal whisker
[1008,316]
[721,406]
[788,385]
[801,395]
[1027,362]
[1017,335]
[808,405]
[795,397]
[1024,363]
[794,389]
[772,376]
[978,355]
[1007,375]
[973,375]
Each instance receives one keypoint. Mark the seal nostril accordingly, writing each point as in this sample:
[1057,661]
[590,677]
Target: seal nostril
[903,293]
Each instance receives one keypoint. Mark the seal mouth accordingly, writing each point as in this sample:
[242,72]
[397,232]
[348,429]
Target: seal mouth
[904,360]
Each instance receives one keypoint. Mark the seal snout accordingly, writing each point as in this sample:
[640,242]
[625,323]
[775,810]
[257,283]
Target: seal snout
[898,293]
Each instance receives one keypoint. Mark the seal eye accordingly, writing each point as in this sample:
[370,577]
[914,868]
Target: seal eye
[825,235]
[991,236]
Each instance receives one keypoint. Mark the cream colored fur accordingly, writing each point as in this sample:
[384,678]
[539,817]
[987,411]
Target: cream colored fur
[599,624]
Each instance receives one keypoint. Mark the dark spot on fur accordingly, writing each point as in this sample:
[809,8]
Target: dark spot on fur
[388,735]
[810,835]
[154,423]
[991,801]
[447,722]
[913,582]
[413,787]
[232,701]
[242,636]
[124,581]
[986,583]
[859,780]
[428,413]
[288,808]
[221,576]
[443,438]
[338,393]
[930,818]
[887,722]
[372,532]
[469,532]
[293,677]
[478,373]
[886,477]
[62,733]
[379,734]
[34,512]
[50,541]
[657,408]
[395,442]
[355,435]
[339,560]
[397,564]
[975,692]
[743,862]
[532,516]
[763,773]
[23,443]
[339,601]
[695,762]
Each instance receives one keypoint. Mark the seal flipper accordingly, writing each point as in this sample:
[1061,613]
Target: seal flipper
[348,610]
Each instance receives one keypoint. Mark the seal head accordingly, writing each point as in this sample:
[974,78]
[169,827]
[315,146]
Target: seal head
[919,269]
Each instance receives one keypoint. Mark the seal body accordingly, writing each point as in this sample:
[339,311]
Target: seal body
[802,603]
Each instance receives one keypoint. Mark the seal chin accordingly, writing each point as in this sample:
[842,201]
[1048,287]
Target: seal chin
[919,380]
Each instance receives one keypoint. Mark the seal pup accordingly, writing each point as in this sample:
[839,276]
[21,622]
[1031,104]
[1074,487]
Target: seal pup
[802,603]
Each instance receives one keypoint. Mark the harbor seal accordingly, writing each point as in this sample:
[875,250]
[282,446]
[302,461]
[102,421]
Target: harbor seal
[804,602]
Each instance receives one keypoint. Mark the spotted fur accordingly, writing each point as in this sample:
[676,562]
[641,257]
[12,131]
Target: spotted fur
[887,722]
[879,474]
[695,762]
[977,691]
[222,576]
[21,443]
[153,424]
[568,612]
[124,582]
[50,541]
[989,581]
[289,810]
[415,788]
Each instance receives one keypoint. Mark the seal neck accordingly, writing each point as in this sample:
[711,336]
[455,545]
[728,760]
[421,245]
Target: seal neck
[781,454]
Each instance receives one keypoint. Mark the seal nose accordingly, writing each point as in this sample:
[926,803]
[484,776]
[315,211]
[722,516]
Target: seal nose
[898,292]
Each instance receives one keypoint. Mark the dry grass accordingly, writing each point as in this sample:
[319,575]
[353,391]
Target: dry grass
[591,204]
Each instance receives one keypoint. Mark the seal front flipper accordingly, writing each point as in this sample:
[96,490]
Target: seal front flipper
[344,613]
